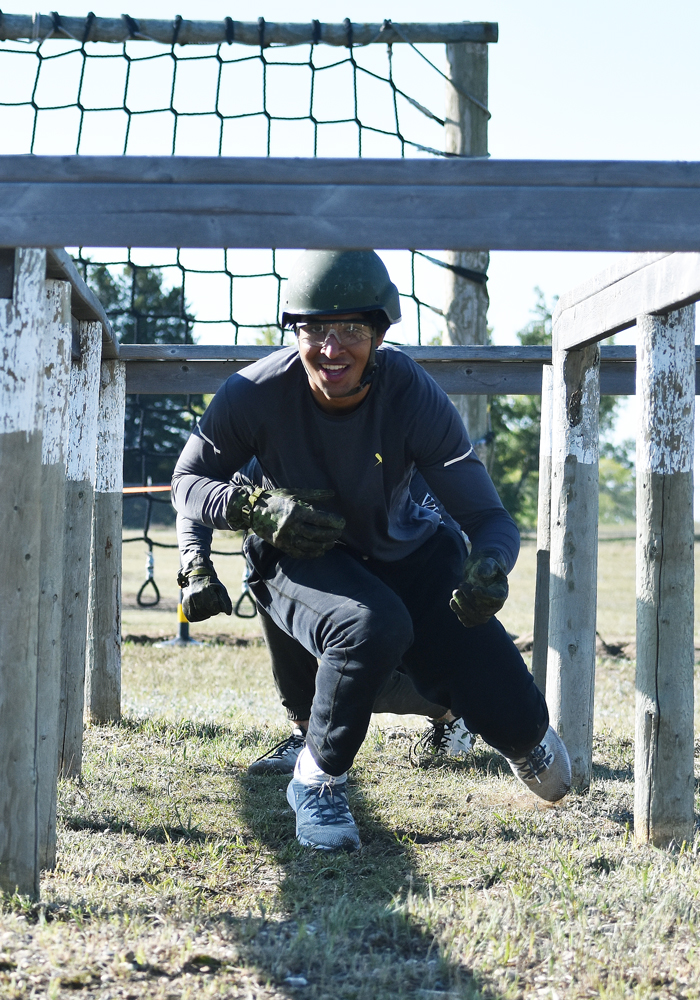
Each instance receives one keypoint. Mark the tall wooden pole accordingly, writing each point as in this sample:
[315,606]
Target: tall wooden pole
[103,664]
[57,366]
[664,784]
[467,300]
[544,511]
[21,388]
[574,554]
[80,479]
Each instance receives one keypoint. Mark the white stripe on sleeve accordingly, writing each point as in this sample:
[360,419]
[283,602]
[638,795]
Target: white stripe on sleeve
[453,460]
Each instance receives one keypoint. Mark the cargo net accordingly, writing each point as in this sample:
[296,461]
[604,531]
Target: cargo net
[64,94]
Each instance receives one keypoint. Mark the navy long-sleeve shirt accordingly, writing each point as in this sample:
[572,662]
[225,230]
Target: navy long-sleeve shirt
[366,457]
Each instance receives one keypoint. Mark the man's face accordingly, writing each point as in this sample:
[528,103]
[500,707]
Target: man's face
[335,368]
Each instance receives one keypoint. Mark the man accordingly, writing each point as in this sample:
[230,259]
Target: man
[294,669]
[343,560]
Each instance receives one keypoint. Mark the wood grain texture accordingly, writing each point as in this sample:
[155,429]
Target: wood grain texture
[21,388]
[157,377]
[57,365]
[515,205]
[664,783]
[262,170]
[80,480]
[84,302]
[190,32]
[540,630]
[466,302]
[103,658]
[664,283]
[574,555]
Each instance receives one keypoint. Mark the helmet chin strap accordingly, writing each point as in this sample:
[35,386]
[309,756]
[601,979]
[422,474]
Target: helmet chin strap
[371,369]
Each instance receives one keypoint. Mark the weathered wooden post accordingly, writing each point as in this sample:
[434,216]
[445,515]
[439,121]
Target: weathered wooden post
[544,511]
[57,365]
[22,318]
[466,298]
[103,663]
[574,554]
[664,784]
[80,478]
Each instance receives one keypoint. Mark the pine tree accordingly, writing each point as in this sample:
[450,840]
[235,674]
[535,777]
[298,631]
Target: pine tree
[142,312]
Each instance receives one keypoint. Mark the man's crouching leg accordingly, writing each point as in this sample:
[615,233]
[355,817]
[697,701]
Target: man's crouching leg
[359,630]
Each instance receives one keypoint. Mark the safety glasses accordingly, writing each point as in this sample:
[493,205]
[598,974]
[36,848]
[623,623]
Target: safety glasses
[347,334]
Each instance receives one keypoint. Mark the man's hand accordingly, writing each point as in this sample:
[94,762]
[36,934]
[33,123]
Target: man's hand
[287,520]
[483,591]
[203,594]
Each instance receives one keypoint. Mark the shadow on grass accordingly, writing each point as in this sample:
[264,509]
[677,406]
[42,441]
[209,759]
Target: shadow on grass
[359,930]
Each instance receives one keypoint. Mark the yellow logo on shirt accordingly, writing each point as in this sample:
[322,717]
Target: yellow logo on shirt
[378,458]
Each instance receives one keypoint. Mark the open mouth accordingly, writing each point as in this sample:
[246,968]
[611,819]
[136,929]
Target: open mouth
[333,373]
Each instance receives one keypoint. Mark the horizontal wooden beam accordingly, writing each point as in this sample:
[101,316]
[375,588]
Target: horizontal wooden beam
[456,204]
[122,29]
[245,352]
[646,283]
[476,378]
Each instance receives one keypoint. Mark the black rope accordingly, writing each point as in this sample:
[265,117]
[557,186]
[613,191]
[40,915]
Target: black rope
[261,32]
[315,31]
[348,32]
[230,30]
[56,18]
[89,20]
[177,24]
[478,277]
[132,26]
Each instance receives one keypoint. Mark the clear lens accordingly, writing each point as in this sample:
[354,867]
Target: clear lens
[347,334]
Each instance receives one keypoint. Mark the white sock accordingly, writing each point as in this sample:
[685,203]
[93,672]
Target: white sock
[308,772]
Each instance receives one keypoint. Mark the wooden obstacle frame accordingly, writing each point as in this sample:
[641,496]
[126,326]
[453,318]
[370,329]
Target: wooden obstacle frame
[62,388]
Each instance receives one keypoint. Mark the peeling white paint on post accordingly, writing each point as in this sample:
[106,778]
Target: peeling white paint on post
[57,365]
[574,554]
[467,301]
[103,665]
[80,479]
[663,788]
[544,512]
[21,388]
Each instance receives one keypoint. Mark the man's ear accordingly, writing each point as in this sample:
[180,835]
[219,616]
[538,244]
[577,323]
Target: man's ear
[380,337]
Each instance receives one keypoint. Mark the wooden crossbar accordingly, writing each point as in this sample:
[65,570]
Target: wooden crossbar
[250,202]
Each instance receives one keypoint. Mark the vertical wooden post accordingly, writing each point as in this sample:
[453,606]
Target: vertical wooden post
[663,787]
[466,300]
[80,478]
[574,554]
[21,387]
[103,664]
[544,511]
[57,365]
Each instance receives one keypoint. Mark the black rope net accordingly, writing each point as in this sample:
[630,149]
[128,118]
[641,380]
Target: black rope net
[67,94]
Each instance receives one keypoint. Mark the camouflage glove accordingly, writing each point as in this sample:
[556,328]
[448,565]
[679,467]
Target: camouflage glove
[483,591]
[286,520]
[203,594]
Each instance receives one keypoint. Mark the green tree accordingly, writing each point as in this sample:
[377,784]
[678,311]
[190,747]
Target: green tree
[143,312]
[515,423]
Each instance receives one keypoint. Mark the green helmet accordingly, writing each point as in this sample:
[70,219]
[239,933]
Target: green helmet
[340,281]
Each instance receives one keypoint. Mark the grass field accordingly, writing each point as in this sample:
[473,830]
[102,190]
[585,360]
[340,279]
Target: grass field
[179,875]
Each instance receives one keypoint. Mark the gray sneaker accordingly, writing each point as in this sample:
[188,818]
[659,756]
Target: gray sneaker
[324,820]
[282,757]
[440,741]
[546,769]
